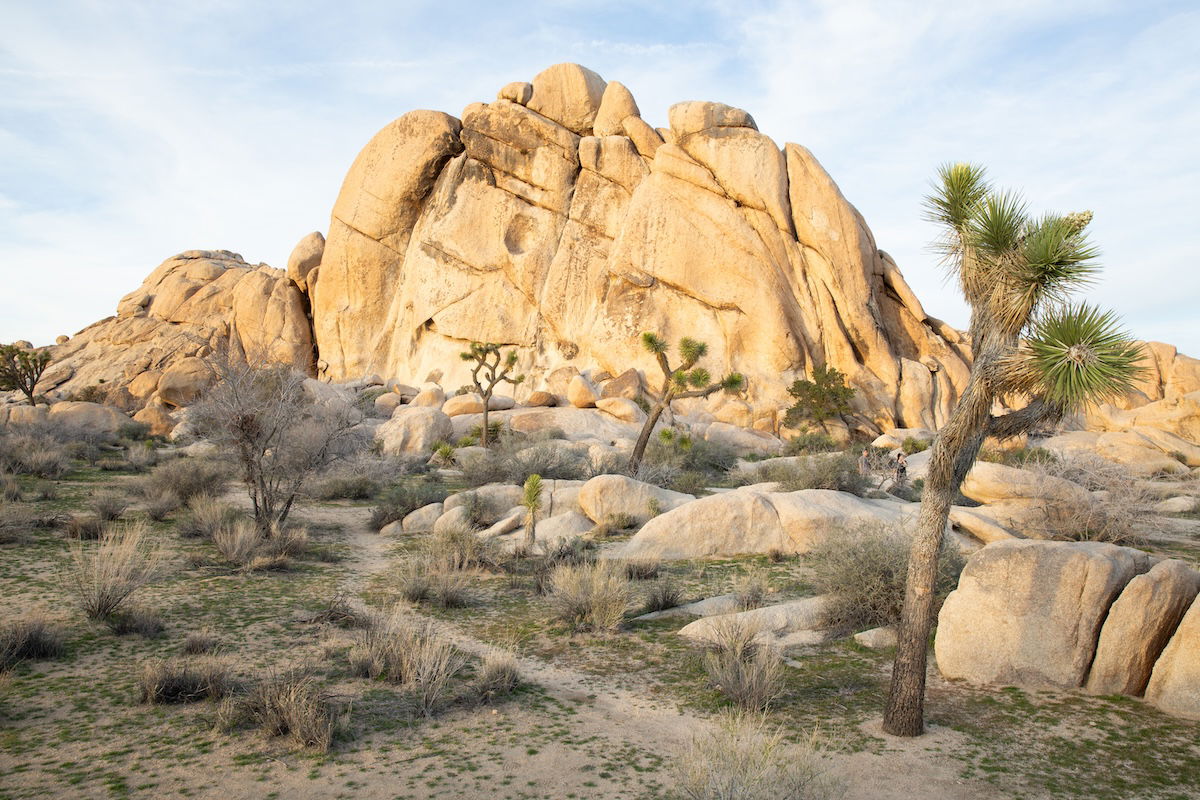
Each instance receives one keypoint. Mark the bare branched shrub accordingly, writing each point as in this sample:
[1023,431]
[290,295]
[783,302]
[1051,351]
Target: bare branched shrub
[186,478]
[344,613]
[746,671]
[591,597]
[1121,510]
[184,680]
[109,506]
[30,637]
[410,651]
[205,516]
[751,588]
[200,642]
[288,704]
[742,758]
[642,569]
[498,675]
[863,571]
[105,575]
[278,434]
[662,595]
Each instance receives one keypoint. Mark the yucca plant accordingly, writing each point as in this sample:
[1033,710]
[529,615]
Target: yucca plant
[532,500]
[1017,273]
[684,380]
[490,370]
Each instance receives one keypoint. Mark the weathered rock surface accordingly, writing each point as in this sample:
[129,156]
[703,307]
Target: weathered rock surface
[305,257]
[607,495]
[414,430]
[1028,613]
[423,519]
[1139,626]
[775,624]
[89,417]
[1175,683]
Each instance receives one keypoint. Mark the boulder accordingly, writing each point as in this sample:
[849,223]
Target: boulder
[518,92]
[470,403]
[387,403]
[158,417]
[696,116]
[877,638]
[568,94]
[567,525]
[1175,682]
[623,409]
[988,482]
[616,105]
[184,381]
[414,429]
[422,519]
[582,393]
[541,400]
[775,624]
[453,518]
[88,417]
[509,521]
[144,385]
[305,257]
[708,607]
[628,385]
[742,440]
[1138,626]
[1178,505]
[604,496]
[495,500]
[430,397]
[1028,613]
[894,437]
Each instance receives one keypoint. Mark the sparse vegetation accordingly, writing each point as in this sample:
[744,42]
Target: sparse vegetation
[33,636]
[290,704]
[590,597]
[498,675]
[823,398]
[744,669]
[186,478]
[405,497]
[105,575]
[184,680]
[491,368]
[838,472]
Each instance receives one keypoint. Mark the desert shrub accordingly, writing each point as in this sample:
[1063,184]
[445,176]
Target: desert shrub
[400,500]
[614,525]
[498,675]
[912,445]
[676,453]
[591,597]
[1017,456]
[184,680]
[340,611]
[140,458]
[810,442]
[34,454]
[161,505]
[458,547]
[187,478]
[408,651]
[642,569]
[740,758]
[105,575]
[285,541]
[342,486]
[205,516]
[46,490]
[288,704]
[662,595]
[85,528]
[30,637]
[750,588]
[18,520]
[837,472]
[863,571]
[422,580]
[238,542]
[10,489]
[745,670]
[512,459]
[200,642]
[136,620]
[108,506]
[1121,510]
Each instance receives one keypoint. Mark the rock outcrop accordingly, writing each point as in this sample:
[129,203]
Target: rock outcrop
[557,210]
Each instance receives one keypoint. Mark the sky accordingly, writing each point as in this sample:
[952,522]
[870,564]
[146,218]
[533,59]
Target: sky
[130,131]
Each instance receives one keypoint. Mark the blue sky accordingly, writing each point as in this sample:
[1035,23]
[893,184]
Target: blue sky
[130,131]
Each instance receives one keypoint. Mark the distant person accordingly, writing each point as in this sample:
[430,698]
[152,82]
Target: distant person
[864,462]
[901,468]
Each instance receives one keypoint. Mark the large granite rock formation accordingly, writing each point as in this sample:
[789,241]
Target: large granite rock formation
[555,219]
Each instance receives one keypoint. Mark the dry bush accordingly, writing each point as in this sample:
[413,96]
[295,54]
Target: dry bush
[838,472]
[409,651]
[405,497]
[662,595]
[591,597]
[287,541]
[186,477]
[458,547]
[85,528]
[741,758]
[614,525]
[751,588]
[108,506]
[1122,507]
[498,675]
[238,542]
[105,575]
[285,704]
[746,671]
[46,490]
[205,516]
[136,619]
[10,490]
[30,637]
[642,569]
[184,680]
[342,612]
[863,571]
[33,453]
[161,505]
[200,642]
[140,458]
[423,580]
[512,458]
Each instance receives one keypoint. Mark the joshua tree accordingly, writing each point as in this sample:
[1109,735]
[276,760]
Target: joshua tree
[490,370]
[20,370]
[686,380]
[1016,272]
[824,397]
[532,500]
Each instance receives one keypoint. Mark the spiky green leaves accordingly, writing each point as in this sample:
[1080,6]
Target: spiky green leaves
[531,496]
[691,351]
[957,193]
[654,343]
[824,397]
[733,382]
[1078,354]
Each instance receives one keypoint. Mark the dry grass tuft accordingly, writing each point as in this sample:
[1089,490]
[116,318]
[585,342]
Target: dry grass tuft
[105,575]
[136,620]
[424,580]
[200,642]
[288,704]
[206,515]
[184,680]
[591,597]
[161,505]
[238,542]
[751,587]
[662,595]
[642,569]
[498,675]
[187,478]
[746,671]
[109,506]
[87,528]
[30,637]
[410,651]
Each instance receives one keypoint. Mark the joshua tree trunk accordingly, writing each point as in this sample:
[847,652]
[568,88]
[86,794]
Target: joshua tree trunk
[639,449]
[483,431]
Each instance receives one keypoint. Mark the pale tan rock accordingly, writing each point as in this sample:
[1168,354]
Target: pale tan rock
[613,158]
[431,397]
[27,415]
[616,105]
[577,423]
[1175,682]
[980,525]
[541,399]
[518,92]
[388,402]
[749,167]
[628,385]
[305,257]
[695,116]
[88,417]
[1028,613]
[1139,625]
[496,500]
[158,417]
[644,138]
[423,519]
[988,482]
[567,525]
[772,623]
[877,638]
[1178,505]
[582,393]
[622,408]
[607,495]
[414,430]
[62,339]
[184,381]
[144,385]
[742,440]
[569,94]
[470,403]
